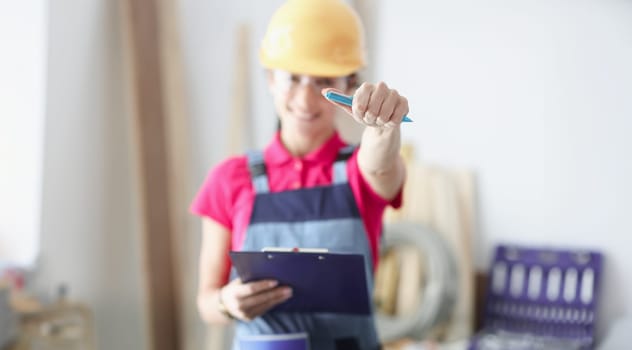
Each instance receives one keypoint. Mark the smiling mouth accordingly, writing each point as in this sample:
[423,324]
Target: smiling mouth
[307,118]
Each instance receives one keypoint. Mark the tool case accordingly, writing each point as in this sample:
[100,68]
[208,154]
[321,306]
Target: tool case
[540,298]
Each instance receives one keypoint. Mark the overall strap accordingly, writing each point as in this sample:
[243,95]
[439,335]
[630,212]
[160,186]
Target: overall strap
[258,174]
[340,165]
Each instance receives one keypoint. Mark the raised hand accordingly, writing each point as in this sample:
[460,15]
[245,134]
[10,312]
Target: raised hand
[375,105]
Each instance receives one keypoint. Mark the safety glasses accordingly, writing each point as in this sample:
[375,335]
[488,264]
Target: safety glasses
[288,82]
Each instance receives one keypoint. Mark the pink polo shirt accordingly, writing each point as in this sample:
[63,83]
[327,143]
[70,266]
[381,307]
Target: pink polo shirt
[227,194]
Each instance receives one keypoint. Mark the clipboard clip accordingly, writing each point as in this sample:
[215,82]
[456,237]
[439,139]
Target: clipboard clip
[294,250]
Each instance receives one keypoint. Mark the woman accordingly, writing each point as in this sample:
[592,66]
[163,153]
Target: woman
[310,46]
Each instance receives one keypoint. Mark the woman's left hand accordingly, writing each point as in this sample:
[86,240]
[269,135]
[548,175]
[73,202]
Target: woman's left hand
[376,105]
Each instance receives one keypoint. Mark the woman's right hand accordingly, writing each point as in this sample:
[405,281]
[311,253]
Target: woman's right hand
[247,301]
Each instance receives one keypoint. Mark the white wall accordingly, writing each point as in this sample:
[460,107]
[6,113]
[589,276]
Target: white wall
[535,97]
[90,236]
[23,28]
[209,33]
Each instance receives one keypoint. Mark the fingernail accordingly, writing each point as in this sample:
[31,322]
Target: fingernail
[287,293]
[273,284]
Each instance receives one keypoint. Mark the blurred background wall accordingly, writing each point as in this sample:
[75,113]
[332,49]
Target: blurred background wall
[535,97]
[90,237]
[532,95]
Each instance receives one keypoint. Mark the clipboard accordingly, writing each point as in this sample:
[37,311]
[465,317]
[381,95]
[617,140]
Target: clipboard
[321,282]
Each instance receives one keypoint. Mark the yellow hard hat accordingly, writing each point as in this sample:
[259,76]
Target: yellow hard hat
[314,37]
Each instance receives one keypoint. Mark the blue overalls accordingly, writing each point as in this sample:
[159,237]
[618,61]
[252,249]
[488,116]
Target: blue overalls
[318,217]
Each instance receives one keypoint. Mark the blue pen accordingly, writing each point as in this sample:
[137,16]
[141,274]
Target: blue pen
[347,100]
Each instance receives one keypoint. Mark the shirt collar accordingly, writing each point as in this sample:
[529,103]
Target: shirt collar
[276,154]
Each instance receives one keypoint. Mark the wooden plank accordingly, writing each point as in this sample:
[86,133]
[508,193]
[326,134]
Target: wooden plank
[239,130]
[145,60]
[185,227]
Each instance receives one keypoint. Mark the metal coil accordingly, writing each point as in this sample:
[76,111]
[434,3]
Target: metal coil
[438,293]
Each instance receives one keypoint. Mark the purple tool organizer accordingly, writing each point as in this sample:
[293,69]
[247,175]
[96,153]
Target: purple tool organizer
[540,299]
